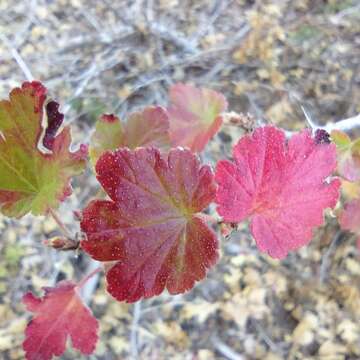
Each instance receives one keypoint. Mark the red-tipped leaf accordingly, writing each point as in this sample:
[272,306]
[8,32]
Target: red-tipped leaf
[151,226]
[36,165]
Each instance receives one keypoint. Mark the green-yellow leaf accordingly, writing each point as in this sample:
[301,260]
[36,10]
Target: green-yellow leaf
[149,127]
[35,162]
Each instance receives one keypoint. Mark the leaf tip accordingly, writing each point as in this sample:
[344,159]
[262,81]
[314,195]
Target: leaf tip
[109,118]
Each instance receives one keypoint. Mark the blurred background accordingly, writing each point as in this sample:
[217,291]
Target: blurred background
[268,58]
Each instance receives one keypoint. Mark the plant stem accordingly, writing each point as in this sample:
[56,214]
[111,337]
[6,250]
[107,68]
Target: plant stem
[83,281]
[61,225]
[344,125]
[134,330]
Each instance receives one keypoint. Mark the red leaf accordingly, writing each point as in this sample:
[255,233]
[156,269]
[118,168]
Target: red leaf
[280,186]
[194,115]
[151,226]
[58,314]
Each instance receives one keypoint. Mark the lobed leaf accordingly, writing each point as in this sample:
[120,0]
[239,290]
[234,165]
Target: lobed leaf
[151,227]
[35,162]
[195,115]
[149,127]
[59,314]
[281,186]
[348,153]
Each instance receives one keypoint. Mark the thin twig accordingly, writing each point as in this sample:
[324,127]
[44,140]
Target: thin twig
[344,125]
[66,232]
[134,330]
[89,288]
[308,118]
[226,350]
[326,259]
[266,338]
[17,57]
[173,36]
[83,281]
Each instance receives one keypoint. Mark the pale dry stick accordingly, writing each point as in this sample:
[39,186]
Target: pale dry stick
[149,11]
[353,10]
[226,350]
[163,305]
[89,286]
[157,74]
[66,232]
[164,32]
[17,57]
[97,26]
[92,273]
[326,259]
[172,36]
[140,84]
[308,118]
[188,60]
[218,8]
[88,75]
[344,125]
[134,331]
[266,338]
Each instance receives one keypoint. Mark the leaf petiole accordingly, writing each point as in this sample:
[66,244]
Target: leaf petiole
[83,281]
[66,232]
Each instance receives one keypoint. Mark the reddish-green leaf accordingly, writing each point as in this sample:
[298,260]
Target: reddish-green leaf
[195,115]
[59,314]
[149,127]
[35,162]
[151,226]
[348,154]
[281,186]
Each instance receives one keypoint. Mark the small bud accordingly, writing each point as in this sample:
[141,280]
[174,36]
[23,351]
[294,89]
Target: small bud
[227,228]
[61,243]
[322,136]
[77,214]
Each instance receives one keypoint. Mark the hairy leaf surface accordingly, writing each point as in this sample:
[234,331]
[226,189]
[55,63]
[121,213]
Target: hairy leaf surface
[35,162]
[59,314]
[152,226]
[195,115]
[149,127]
[279,185]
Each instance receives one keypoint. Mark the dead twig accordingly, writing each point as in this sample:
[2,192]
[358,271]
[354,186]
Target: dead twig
[226,350]
[17,57]
[134,331]
[326,259]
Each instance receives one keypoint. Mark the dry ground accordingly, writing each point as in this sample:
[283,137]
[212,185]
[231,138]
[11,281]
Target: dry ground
[268,58]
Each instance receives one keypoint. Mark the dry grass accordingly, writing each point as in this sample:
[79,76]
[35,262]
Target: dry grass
[269,59]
